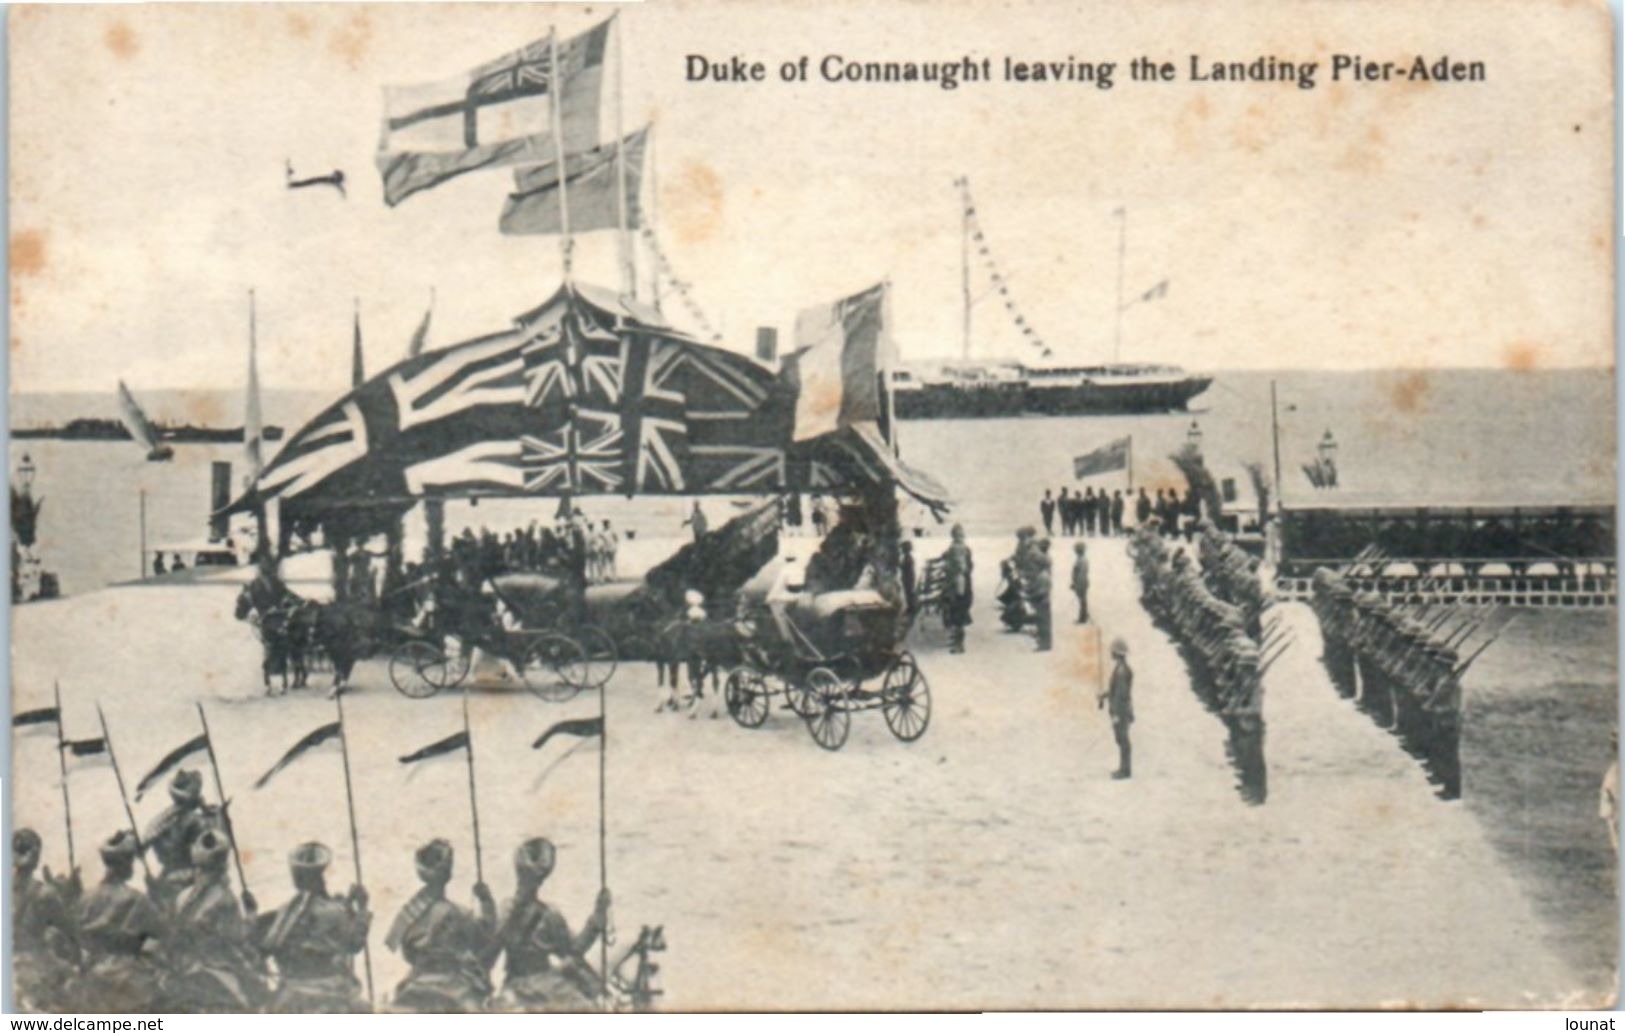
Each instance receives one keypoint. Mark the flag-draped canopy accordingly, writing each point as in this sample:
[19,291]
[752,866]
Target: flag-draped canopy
[586,394]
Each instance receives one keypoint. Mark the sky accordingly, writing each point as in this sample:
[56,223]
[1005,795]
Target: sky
[1351,225]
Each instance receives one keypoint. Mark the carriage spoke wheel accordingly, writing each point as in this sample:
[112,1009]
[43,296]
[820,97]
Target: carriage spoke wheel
[802,699]
[906,699]
[554,667]
[746,695]
[417,669]
[830,725]
[602,656]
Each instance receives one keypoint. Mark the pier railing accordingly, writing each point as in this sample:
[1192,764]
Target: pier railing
[1558,555]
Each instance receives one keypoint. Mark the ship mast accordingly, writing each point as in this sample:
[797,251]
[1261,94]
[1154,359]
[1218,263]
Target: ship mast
[964,260]
[1122,251]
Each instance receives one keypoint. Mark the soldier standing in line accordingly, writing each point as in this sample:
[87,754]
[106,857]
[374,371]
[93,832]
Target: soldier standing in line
[1119,701]
[42,934]
[1142,509]
[958,566]
[120,932]
[1080,581]
[171,836]
[313,940]
[1037,581]
[448,947]
[1046,510]
[214,967]
[545,967]
[1608,802]
[1064,507]
[1117,512]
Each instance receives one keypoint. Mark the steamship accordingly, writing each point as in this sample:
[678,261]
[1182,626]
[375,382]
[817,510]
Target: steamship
[968,389]
[980,390]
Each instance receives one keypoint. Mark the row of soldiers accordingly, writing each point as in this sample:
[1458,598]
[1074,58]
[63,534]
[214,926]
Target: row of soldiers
[189,944]
[1221,632]
[1401,666]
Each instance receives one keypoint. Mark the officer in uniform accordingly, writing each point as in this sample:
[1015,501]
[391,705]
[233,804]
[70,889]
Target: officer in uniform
[545,967]
[120,933]
[1037,583]
[42,933]
[171,836]
[1119,701]
[958,594]
[448,947]
[214,966]
[313,940]
[1080,581]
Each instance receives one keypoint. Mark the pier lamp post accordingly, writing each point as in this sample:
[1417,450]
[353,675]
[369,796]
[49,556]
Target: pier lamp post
[25,473]
[1193,437]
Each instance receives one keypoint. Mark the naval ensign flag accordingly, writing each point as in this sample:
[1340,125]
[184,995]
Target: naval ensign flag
[492,116]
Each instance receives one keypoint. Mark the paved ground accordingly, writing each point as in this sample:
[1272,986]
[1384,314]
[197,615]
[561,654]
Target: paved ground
[991,864]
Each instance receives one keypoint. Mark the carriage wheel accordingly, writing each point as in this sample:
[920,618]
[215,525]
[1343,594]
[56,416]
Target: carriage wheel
[746,694]
[417,669]
[802,699]
[602,656]
[554,667]
[830,725]
[905,699]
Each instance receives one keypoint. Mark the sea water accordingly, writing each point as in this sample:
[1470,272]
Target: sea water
[1403,437]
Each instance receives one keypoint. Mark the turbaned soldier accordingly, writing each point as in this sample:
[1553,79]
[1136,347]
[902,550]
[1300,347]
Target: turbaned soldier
[313,940]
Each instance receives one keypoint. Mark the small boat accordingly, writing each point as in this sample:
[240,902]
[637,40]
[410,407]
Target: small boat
[141,428]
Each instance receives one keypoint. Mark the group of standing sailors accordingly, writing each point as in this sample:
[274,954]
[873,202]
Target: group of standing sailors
[1085,513]
[190,944]
[1401,667]
[1216,617]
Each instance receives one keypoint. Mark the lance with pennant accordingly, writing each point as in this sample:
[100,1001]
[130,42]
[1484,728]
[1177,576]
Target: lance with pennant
[225,805]
[124,798]
[473,797]
[62,765]
[355,840]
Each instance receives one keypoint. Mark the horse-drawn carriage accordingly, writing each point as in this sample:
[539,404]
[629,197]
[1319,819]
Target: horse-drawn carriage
[829,655]
[556,637]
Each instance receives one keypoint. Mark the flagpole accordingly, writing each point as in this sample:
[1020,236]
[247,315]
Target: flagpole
[629,267]
[473,797]
[62,766]
[603,838]
[355,840]
[1130,467]
[653,222]
[140,850]
[220,791]
[554,87]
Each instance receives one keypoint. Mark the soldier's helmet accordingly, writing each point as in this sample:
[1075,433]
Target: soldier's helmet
[1119,647]
[1043,544]
[209,850]
[120,848]
[434,860]
[187,787]
[535,857]
[1079,549]
[310,858]
[1026,532]
[25,848]
[957,533]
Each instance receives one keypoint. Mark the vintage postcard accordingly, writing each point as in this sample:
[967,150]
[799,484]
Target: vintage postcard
[698,505]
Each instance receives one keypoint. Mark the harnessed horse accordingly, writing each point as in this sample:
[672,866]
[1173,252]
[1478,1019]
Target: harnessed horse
[290,625]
